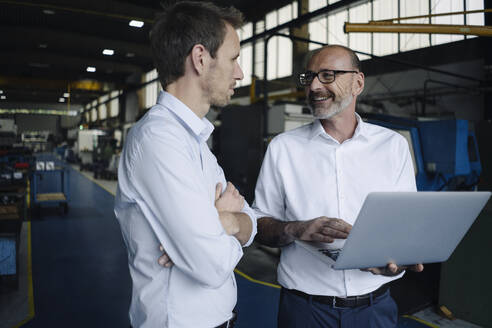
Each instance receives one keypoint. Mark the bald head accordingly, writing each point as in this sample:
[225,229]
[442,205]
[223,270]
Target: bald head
[344,53]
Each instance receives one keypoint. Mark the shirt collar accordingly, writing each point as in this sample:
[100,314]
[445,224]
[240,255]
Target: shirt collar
[201,127]
[360,130]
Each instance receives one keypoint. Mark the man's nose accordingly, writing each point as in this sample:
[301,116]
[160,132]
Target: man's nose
[238,72]
[315,84]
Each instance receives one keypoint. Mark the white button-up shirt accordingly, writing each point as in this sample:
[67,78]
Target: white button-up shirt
[166,195]
[307,174]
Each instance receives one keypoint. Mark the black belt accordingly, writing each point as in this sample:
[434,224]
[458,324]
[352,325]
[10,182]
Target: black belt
[340,302]
[229,323]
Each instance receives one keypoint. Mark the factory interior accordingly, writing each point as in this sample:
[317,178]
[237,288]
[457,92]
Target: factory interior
[75,76]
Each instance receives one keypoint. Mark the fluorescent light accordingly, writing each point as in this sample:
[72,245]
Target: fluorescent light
[3,97]
[108,52]
[130,55]
[1,91]
[61,99]
[91,69]
[136,23]
[43,45]
[66,95]
[48,12]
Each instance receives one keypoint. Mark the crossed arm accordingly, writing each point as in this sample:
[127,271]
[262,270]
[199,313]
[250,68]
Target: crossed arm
[235,223]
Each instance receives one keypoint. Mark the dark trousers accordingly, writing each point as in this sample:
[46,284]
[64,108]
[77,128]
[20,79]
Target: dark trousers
[298,312]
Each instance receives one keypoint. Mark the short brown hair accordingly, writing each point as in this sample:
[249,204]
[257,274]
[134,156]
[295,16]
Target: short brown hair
[180,27]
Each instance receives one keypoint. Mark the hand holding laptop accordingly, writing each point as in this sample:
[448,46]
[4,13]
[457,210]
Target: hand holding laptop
[393,270]
[321,229]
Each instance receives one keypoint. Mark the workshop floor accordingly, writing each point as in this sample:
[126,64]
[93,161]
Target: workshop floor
[80,276]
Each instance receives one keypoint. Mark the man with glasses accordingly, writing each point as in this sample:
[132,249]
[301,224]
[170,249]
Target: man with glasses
[311,187]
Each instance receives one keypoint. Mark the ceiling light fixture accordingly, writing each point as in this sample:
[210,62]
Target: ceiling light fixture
[1,91]
[108,52]
[91,69]
[130,55]
[61,99]
[48,12]
[43,45]
[3,97]
[66,95]
[136,23]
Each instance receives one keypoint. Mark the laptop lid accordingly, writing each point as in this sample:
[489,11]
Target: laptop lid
[405,228]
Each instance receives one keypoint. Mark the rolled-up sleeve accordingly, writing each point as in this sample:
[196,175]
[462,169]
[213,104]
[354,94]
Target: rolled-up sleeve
[246,208]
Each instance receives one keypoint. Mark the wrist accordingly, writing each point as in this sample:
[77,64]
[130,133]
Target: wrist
[290,230]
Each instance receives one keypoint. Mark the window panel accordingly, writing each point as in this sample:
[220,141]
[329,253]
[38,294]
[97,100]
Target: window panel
[259,55]
[285,14]
[385,43]
[102,110]
[272,58]
[271,20]
[318,32]
[150,90]
[285,57]
[246,31]
[440,6]
[409,41]
[336,35]
[316,4]
[360,41]
[246,63]
[475,19]
[114,105]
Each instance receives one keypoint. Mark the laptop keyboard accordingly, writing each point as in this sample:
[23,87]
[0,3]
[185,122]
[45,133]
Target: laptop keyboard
[331,253]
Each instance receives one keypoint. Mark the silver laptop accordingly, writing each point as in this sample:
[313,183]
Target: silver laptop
[403,227]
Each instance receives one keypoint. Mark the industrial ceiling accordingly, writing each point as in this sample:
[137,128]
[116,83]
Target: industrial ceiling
[47,47]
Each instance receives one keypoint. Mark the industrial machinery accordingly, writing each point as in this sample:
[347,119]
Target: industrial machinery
[50,184]
[15,164]
[8,132]
[444,152]
[102,156]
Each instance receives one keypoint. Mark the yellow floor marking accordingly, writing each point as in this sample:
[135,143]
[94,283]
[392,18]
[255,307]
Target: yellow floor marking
[30,293]
[254,280]
[421,321]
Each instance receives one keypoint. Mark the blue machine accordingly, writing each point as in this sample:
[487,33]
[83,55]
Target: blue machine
[445,153]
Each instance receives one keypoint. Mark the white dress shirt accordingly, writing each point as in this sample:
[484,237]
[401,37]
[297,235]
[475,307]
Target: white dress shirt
[166,194]
[307,174]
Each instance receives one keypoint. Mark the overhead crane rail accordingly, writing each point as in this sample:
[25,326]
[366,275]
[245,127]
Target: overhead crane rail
[389,26]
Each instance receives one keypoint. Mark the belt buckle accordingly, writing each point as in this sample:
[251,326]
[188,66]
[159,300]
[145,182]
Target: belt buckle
[334,304]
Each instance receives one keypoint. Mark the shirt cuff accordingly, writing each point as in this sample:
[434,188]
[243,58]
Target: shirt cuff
[249,212]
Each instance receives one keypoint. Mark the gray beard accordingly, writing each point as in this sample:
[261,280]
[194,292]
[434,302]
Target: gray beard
[333,110]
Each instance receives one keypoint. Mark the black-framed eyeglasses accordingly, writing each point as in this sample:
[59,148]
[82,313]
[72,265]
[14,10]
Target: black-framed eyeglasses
[325,76]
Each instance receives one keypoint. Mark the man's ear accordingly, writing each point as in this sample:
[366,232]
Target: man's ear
[358,85]
[200,58]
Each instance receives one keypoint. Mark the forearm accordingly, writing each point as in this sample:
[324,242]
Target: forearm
[237,224]
[274,233]
[245,227]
